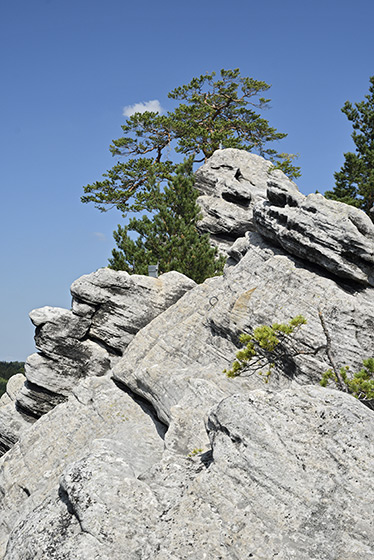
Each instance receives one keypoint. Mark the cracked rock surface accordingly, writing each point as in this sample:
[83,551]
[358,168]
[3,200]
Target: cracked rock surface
[108,309]
[98,420]
[338,237]
[230,183]
[127,440]
[280,482]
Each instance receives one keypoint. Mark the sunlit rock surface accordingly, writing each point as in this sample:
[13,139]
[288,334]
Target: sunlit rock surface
[127,440]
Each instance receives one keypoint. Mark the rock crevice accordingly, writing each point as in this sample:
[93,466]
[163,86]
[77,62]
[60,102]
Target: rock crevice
[126,439]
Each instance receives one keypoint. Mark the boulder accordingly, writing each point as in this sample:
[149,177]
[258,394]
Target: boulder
[330,234]
[108,309]
[14,385]
[230,183]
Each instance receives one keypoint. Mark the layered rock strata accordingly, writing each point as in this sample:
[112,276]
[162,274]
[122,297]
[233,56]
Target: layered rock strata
[108,309]
[337,237]
[231,182]
[155,453]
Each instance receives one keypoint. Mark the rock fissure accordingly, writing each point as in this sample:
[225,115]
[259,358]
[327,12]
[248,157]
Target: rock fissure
[155,453]
[146,406]
[64,497]
[112,351]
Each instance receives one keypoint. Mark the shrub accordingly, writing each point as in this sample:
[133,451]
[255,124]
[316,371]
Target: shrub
[264,346]
[359,384]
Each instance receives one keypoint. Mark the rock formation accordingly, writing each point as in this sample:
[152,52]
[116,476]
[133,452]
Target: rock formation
[128,441]
[230,183]
[108,309]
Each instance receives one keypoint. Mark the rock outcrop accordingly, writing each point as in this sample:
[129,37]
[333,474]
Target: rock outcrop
[132,443]
[231,182]
[283,479]
[338,237]
[108,309]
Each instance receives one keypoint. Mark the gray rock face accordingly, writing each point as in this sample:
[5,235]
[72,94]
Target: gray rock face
[125,304]
[240,193]
[283,479]
[338,237]
[231,182]
[155,453]
[97,413]
[197,338]
[108,309]
[12,421]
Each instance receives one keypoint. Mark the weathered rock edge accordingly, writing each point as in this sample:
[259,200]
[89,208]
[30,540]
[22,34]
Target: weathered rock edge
[288,476]
[287,470]
[108,308]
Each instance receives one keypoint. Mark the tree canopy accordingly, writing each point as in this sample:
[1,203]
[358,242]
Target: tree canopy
[354,183]
[211,113]
[149,179]
[169,237]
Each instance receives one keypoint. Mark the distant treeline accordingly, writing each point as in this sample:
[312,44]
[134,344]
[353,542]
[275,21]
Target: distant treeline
[7,369]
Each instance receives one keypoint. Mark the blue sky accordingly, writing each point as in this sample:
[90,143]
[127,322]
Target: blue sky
[69,68]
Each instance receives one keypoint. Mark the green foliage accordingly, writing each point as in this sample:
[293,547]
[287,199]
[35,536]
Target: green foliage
[222,112]
[3,383]
[264,347]
[286,165]
[7,369]
[359,384]
[195,451]
[355,180]
[169,237]
[212,112]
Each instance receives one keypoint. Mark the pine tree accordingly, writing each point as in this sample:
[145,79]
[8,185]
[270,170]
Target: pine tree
[168,236]
[355,180]
[212,112]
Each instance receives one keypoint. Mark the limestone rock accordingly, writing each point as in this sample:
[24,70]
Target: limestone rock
[4,399]
[198,338]
[333,235]
[14,385]
[12,423]
[47,314]
[96,410]
[286,477]
[126,303]
[231,182]
[50,379]
[12,420]
[109,307]
[155,453]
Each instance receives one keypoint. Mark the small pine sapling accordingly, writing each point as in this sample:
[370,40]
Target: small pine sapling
[264,347]
[359,384]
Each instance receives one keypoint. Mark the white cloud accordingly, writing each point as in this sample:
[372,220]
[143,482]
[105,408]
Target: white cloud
[153,105]
[99,235]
